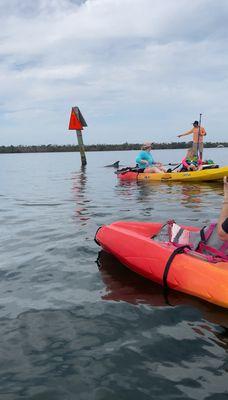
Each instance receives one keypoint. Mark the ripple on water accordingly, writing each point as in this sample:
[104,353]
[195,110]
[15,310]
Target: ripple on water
[69,328]
[97,348]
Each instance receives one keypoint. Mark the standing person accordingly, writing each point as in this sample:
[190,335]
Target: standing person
[198,134]
[145,161]
[223,219]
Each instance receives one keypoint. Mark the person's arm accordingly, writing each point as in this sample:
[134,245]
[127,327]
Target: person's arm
[151,161]
[203,132]
[186,133]
[223,219]
[140,160]
[184,163]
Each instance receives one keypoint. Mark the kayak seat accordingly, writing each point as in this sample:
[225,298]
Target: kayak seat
[205,241]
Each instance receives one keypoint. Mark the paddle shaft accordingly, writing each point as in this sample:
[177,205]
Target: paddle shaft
[200,156]
[171,164]
[178,165]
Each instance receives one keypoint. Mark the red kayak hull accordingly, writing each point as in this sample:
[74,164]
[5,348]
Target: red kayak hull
[131,244]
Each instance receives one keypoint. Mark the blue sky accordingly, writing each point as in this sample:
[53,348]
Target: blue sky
[139,70]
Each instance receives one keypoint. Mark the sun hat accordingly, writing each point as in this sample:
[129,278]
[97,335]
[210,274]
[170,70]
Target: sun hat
[146,146]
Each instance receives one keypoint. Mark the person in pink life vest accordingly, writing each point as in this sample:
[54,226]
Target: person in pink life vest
[191,162]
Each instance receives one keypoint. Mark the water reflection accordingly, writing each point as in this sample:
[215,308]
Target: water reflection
[79,180]
[194,195]
[223,338]
[125,189]
[124,285]
[172,194]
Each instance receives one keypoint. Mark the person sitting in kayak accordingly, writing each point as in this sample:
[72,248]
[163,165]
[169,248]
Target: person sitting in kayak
[223,219]
[191,162]
[198,134]
[210,242]
[145,161]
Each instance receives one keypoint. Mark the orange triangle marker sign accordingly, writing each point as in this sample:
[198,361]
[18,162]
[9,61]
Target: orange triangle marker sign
[74,124]
[76,120]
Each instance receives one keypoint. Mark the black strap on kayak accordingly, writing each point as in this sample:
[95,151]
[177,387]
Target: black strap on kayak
[178,235]
[95,237]
[202,234]
[123,171]
[178,250]
[98,260]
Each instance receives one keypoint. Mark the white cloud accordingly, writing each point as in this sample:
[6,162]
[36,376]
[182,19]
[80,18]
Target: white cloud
[162,62]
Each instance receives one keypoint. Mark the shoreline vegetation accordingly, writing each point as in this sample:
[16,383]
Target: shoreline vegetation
[52,148]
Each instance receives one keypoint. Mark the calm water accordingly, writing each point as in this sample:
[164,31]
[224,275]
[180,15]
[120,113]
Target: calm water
[75,328]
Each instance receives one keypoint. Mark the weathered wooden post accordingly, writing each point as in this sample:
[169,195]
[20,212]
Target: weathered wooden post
[77,123]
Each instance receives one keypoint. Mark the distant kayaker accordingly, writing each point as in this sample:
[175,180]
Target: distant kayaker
[191,162]
[145,161]
[198,134]
[223,219]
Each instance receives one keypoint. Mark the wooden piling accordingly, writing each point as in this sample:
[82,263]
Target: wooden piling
[77,123]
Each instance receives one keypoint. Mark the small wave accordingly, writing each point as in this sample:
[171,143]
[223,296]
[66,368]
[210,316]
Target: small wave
[40,204]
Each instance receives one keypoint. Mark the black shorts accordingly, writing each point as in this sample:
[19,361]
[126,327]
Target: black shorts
[225,225]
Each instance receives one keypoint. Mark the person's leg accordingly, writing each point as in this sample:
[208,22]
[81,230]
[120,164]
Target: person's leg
[195,148]
[152,170]
[163,169]
[201,151]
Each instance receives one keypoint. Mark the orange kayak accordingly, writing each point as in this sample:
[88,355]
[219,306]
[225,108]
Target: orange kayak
[131,244]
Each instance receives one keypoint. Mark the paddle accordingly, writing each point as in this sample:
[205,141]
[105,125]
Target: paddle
[198,149]
[172,164]
[171,170]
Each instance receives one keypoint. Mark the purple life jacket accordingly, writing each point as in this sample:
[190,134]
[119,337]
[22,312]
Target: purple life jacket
[211,244]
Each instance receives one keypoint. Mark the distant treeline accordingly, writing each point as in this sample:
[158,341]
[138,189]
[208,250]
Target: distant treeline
[100,147]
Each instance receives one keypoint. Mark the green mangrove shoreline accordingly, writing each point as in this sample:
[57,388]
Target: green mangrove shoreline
[50,148]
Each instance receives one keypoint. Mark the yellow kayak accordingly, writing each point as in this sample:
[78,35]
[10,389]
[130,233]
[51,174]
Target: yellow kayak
[189,176]
[213,174]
